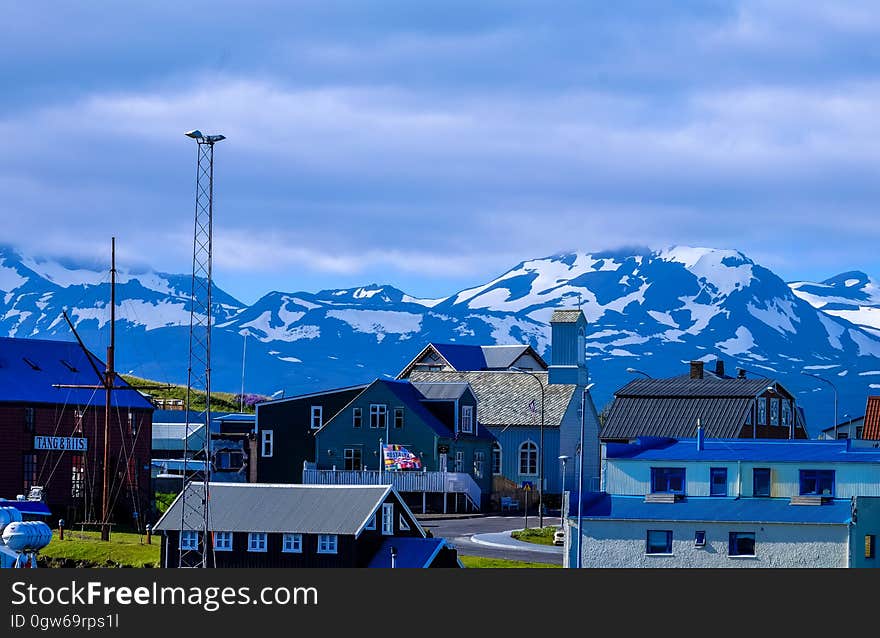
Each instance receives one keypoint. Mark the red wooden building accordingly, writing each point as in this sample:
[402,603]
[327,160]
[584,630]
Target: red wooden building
[54,437]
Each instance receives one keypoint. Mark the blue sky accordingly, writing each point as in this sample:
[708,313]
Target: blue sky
[435,146]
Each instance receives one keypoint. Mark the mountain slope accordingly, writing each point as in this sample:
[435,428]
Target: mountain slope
[652,310]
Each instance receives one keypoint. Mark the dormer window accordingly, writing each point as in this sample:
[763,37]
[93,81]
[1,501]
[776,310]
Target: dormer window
[467,419]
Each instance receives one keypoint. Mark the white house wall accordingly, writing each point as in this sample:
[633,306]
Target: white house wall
[630,477]
[622,544]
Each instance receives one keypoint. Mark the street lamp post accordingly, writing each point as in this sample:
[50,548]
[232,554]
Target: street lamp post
[635,371]
[564,459]
[581,473]
[540,450]
[833,387]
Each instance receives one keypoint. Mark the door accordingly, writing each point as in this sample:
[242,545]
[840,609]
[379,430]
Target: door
[443,461]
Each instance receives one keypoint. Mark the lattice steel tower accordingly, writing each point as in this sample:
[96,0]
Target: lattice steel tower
[196,548]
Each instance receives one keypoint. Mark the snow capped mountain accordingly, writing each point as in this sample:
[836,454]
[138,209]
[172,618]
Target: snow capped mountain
[853,296]
[653,310]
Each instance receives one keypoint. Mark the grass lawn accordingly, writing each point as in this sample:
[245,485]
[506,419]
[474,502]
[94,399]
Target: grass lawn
[539,536]
[85,549]
[477,562]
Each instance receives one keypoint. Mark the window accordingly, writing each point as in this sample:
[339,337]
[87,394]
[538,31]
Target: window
[189,540]
[659,542]
[257,542]
[842,435]
[718,481]
[761,481]
[774,411]
[528,458]
[352,456]
[223,541]
[77,476]
[29,470]
[29,419]
[496,459]
[317,418]
[388,519]
[819,482]
[700,538]
[467,419]
[357,417]
[401,522]
[741,544]
[479,460]
[77,422]
[786,413]
[398,418]
[762,411]
[292,544]
[667,480]
[870,543]
[859,430]
[378,415]
[268,443]
[371,524]
[459,461]
[327,543]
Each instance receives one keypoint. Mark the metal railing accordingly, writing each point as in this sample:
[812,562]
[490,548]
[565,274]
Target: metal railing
[439,482]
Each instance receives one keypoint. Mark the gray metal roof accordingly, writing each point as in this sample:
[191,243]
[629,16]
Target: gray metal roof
[263,507]
[450,391]
[676,417]
[503,397]
[684,386]
[565,316]
[500,357]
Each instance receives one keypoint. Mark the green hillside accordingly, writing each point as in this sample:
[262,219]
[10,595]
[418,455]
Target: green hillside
[220,401]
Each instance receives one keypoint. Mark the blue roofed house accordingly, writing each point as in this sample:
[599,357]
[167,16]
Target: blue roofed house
[514,389]
[439,423]
[702,502]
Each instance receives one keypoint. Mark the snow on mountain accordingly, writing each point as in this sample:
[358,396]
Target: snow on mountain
[654,310]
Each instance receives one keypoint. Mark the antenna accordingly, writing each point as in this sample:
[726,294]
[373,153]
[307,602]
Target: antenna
[194,506]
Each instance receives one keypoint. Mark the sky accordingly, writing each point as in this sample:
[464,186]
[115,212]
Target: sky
[433,146]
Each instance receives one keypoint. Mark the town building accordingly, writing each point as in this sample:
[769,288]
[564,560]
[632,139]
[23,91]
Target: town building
[727,407]
[729,503]
[285,430]
[53,437]
[518,391]
[438,423]
[267,525]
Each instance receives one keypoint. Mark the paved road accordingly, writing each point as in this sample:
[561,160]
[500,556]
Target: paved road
[459,532]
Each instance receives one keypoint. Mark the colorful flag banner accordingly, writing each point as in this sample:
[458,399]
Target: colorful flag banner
[397,457]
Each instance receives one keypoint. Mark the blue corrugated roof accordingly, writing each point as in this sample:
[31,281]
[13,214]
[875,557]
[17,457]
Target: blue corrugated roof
[29,368]
[461,356]
[33,508]
[411,552]
[797,450]
[714,509]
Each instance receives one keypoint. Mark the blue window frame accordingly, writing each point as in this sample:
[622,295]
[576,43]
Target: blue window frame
[761,481]
[741,544]
[718,481]
[667,480]
[659,541]
[819,482]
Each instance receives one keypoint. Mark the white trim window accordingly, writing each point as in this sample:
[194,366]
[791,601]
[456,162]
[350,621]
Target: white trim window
[479,462]
[327,543]
[458,465]
[528,459]
[378,415]
[351,456]
[398,418]
[292,544]
[357,417]
[388,519]
[371,524]
[268,443]
[467,419]
[256,541]
[496,458]
[223,541]
[317,418]
[401,522]
[189,540]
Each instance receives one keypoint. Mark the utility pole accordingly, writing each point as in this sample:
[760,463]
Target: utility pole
[195,502]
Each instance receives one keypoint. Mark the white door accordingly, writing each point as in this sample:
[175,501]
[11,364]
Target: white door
[443,461]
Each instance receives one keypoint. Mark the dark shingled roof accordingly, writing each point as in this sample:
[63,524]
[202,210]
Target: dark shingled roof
[503,397]
[670,407]
[565,316]
[263,507]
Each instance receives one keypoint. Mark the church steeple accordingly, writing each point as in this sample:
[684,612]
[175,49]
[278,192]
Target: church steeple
[568,357]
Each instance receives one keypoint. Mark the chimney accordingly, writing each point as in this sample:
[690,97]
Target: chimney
[719,368]
[699,435]
[740,373]
[696,369]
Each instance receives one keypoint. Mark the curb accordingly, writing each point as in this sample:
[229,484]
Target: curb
[517,545]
